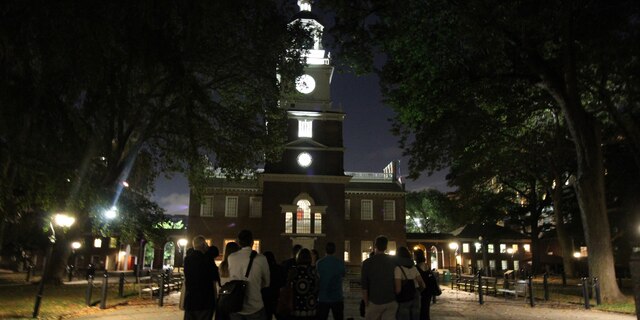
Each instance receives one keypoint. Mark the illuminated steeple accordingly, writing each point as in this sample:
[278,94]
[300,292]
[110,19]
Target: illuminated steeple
[316,54]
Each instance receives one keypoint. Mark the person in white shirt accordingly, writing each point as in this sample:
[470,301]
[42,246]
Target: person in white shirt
[253,308]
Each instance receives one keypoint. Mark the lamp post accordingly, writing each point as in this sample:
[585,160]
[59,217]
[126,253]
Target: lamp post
[485,262]
[64,221]
[454,248]
[182,243]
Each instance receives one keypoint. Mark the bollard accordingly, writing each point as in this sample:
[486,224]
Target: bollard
[161,291]
[29,271]
[69,273]
[545,285]
[89,290]
[585,293]
[105,286]
[596,287]
[531,300]
[564,279]
[121,285]
[480,297]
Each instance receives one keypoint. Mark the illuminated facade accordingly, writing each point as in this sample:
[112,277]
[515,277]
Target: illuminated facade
[306,198]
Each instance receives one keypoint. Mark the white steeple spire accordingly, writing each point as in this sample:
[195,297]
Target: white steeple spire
[305,5]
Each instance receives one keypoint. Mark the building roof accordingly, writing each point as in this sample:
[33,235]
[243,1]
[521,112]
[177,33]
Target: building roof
[488,231]
[373,186]
[429,236]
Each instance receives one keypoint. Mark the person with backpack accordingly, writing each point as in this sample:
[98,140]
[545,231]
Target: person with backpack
[431,284]
[257,277]
[408,284]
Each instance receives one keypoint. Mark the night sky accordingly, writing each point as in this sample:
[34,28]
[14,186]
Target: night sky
[369,144]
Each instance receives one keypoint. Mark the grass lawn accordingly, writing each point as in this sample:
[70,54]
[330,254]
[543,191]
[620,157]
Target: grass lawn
[58,301]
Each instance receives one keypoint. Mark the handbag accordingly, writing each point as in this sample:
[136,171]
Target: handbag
[407,289]
[431,283]
[232,293]
[285,301]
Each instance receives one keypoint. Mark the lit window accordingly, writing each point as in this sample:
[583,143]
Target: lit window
[366,210]
[480,264]
[97,243]
[206,208]
[527,247]
[391,248]
[347,249]
[231,207]
[516,265]
[256,207]
[389,210]
[303,217]
[113,242]
[317,223]
[514,247]
[305,128]
[347,209]
[256,245]
[490,248]
[465,248]
[288,222]
[478,246]
[492,264]
[584,252]
[503,248]
[366,247]
[505,265]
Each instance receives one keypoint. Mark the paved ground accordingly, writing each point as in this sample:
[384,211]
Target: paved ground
[452,305]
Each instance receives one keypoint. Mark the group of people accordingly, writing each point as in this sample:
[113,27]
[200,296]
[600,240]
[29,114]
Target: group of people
[396,287]
[302,287]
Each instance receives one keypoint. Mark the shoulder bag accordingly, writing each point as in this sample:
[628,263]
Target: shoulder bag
[232,293]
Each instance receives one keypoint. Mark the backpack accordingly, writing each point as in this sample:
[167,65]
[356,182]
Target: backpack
[407,289]
[431,283]
[232,293]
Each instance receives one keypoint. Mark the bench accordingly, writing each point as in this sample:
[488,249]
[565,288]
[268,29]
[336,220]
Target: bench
[147,285]
[519,288]
[469,283]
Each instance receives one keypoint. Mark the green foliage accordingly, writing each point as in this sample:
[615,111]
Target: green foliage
[432,211]
[96,93]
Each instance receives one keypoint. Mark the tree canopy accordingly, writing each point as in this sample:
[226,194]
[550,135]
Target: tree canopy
[449,65]
[94,94]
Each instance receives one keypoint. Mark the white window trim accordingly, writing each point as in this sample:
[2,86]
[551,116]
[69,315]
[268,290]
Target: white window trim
[231,213]
[364,215]
[253,203]
[203,207]
[392,215]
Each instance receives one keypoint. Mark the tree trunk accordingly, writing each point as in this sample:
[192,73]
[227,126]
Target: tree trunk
[55,272]
[561,231]
[591,199]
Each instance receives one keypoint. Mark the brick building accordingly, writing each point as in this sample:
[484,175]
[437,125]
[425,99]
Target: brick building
[306,198]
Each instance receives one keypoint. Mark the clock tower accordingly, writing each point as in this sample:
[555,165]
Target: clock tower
[306,187]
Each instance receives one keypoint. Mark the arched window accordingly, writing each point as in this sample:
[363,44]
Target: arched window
[303,217]
[148,255]
[168,255]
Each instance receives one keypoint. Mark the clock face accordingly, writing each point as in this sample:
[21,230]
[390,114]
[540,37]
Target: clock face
[305,84]
[304,159]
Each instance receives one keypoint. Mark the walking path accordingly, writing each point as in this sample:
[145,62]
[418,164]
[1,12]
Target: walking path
[451,305]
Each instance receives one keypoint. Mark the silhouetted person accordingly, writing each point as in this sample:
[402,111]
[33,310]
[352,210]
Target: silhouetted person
[331,271]
[199,301]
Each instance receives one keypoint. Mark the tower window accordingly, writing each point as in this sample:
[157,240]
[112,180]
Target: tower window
[347,209]
[288,222]
[305,128]
[317,223]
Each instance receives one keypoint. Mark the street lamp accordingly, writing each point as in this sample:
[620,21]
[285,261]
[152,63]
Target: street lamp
[112,213]
[182,243]
[454,247]
[62,220]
